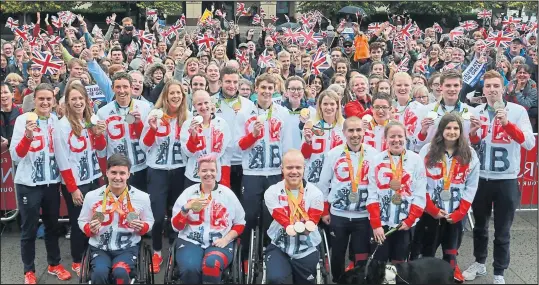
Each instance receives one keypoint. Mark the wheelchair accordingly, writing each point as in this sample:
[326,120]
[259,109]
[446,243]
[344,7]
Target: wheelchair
[144,275]
[256,265]
[231,275]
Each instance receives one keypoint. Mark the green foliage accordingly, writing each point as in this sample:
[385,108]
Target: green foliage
[329,8]
[167,7]
[100,7]
[12,7]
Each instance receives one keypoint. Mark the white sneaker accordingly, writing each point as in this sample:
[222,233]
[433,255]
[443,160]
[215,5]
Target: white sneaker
[476,269]
[498,279]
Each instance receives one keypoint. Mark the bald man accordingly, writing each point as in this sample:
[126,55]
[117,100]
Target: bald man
[294,231]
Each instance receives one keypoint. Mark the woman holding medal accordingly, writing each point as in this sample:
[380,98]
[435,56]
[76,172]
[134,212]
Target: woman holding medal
[344,184]
[165,158]
[324,136]
[374,126]
[396,194]
[208,218]
[115,217]
[452,168]
[78,137]
[296,206]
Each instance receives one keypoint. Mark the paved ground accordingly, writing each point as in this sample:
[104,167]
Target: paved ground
[523,268]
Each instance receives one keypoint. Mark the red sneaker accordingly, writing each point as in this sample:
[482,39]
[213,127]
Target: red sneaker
[157,261]
[75,267]
[60,272]
[458,275]
[245,266]
[30,278]
[350,266]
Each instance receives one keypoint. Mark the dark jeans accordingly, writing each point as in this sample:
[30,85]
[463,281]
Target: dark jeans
[505,197]
[236,175]
[122,263]
[78,240]
[396,247]
[138,180]
[253,188]
[164,187]
[30,201]
[281,269]
[424,237]
[356,232]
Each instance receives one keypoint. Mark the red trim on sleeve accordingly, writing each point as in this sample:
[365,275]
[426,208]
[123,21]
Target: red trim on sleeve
[179,221]
[431,208]
[314,214]
[461,211]
[192,143]
[225,176]
[415,212]
[475,139]
[100,142]
[87,230]
[149,138]
[238,228]
[514,132]
[69,180]
[103,165]
[137,127]
[23,147]
[281,217]
[422,137]
[374,215]
[307,150]
[354,108]
[247,141]
[326,209]
[144,229]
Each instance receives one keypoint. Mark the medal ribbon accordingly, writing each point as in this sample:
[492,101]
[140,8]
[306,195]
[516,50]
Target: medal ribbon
[447,178]
[457,107]
[131,105]
[116,204]
[374,124]
[354,180]
[406,107]
[229,100]
[296,212]
[270,110]
[396,170]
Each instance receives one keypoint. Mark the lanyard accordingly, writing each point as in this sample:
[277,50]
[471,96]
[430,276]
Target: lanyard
[116,206]
[296,212]
[270,110]
[405,107]
[354,180]
[457,108]
[374,124]
[396,170]
[236,106]
[131,105]
[447,178]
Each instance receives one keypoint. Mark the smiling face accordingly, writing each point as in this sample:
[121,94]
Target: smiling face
[212,71]
[493,90]
[230,84]
[122,90]
[378,69]
[450,90]
[76,102]
[293,168]
[44,100]
[353,131]
[341,80]
[175,96]
[265,92]
[207,171]
[451,132]
[402,87]
[381,110]
[202,103]
[117,176]
[384,87]
[6,96]
[360,87]
[341,68]
[396,139]
[329,107]
[295,91]
[245,90]
[157,75]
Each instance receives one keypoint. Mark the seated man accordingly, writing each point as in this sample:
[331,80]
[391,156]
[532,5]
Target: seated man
[115,217]
[296,207]
[208,217]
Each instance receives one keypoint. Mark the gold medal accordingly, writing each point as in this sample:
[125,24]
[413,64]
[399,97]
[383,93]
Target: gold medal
[98,216]
[236,106]
[31,116]
[304,113]
[395,185]
[290,230]
[196,206]
[308,125]
[396,199]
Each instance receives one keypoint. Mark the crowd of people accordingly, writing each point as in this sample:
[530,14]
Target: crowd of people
[359,135]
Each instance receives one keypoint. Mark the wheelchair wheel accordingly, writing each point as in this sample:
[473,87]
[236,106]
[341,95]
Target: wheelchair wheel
[85,267]
[252,259]
[170,265]
[148,265]
[323,269]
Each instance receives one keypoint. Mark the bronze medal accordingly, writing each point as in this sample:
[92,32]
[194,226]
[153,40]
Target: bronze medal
[395,185]
[396,199]
[290,230]
[196,207]
[131,216]
[353,197]
[310,226]
[445,195]
[98,216]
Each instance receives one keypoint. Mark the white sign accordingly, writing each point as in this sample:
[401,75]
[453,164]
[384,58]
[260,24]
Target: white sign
[95,93]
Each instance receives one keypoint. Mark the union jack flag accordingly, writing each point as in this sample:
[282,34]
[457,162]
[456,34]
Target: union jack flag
[437,28]
[307,21]
[531,27]
[66,16]
[146,38]
[240,10]
[498,39]
[264,59]
[262,13]
[256,19]
[469,25]
[218,13]
[308,37]
[274,19]
[182,21]
[151,13]
[48,63]
[484,14]
[21,33]
[403,65]
[206,41]
[241,57]
[108,20]
[289,35]
[28,28]
[96,31]
[373,27]
[55,40]
[406,31]
[319,63]
[422,67]
[456,33]
[417,31]
[12,24]
[35,44]
[510,20]
[57,22]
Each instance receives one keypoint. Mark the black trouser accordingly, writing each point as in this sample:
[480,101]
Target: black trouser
[188,182]
[78,240]
[236,174]
[138,180]
[164,187]
[253,195]
[395,248]
[505,196]
[30,201]
[358,231]
[424,237]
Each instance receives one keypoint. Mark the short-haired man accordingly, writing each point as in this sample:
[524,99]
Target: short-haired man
[114,217]
[498,134]
[335,54]
[124,118]
[37,180]
[376,53]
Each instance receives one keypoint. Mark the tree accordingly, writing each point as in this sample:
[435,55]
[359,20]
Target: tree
[12,7]
[330,9]
[165,7]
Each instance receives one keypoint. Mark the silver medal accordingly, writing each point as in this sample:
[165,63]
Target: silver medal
[354,197]
[445,195]
[131,216]
[129,119]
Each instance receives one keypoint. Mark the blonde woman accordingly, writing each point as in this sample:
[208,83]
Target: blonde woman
[435,62]
[219,54]
[360,103]
[420,94]
[165,158]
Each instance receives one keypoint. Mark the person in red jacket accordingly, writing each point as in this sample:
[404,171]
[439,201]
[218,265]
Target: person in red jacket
[360,103]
